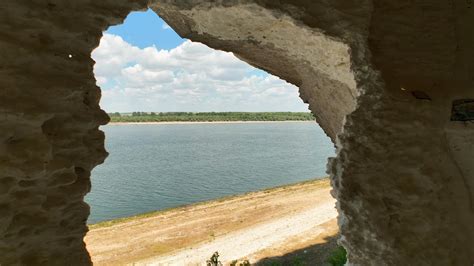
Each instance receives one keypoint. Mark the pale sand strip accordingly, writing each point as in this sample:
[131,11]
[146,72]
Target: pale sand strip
[243,243]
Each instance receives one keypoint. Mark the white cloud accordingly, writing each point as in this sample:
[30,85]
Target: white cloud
[138,76]
[190,77]
[165,26]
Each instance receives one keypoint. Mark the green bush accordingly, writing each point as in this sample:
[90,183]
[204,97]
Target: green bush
[338,257]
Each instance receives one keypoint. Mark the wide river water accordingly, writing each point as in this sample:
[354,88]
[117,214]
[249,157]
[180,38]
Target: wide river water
[154,167]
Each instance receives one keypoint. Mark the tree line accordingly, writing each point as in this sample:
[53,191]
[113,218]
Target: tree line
[209,116]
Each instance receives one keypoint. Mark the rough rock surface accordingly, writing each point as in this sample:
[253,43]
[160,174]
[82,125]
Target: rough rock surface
[381,77]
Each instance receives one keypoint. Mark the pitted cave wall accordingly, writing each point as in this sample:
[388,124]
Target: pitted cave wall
[380,76]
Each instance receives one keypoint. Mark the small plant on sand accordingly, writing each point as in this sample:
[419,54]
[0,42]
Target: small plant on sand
[338,257]
[243,263]
[214,260]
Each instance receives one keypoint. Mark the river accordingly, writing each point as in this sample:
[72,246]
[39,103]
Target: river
[155,167]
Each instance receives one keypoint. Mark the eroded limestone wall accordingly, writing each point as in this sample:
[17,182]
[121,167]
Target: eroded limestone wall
[49,118]
[404,172]
[380,76]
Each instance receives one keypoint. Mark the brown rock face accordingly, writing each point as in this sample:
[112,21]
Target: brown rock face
[391,82]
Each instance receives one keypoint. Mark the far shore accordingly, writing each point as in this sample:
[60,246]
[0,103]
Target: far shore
[206,122]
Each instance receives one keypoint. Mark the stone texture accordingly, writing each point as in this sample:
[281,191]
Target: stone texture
[404,172]
[49,118]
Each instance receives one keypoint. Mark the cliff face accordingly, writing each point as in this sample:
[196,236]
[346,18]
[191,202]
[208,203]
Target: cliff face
[391,83]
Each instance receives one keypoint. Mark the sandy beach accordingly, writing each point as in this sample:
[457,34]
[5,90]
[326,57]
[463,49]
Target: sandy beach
[257,226]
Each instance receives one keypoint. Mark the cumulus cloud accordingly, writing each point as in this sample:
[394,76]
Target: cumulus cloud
[190,77]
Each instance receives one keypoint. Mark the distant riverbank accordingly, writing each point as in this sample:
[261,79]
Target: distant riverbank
[145,117]
[206,122]
[254,226]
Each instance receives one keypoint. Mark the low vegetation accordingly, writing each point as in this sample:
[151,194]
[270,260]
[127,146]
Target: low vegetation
[243,263]
[214,260]
[338,257]
[209,116]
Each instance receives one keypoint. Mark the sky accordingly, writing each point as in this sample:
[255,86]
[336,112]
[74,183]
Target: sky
[143,65]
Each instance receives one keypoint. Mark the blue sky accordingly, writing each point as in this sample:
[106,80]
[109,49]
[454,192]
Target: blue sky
[143,65]
[144,29]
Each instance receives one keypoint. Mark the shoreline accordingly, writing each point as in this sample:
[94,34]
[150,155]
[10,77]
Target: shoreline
[111,222]
[206,122]
[255,225]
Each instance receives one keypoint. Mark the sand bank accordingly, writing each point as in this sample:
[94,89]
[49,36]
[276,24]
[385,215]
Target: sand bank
[252,226]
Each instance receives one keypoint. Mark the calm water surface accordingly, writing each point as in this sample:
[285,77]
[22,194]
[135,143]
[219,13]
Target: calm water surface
[153,167]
